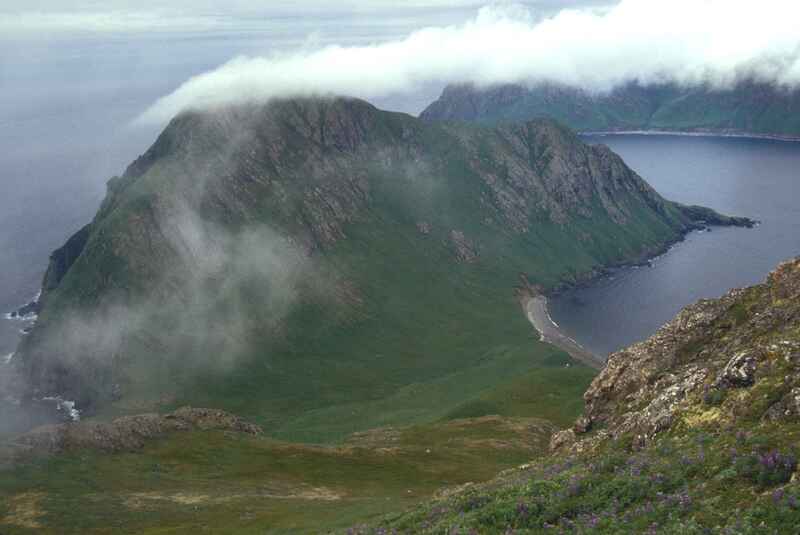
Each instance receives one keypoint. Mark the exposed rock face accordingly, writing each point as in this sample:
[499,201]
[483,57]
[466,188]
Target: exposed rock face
[465,250]
[28,310]
[126,433]
[738,372]
[788,408]
[64,257]
[751,107]
[707,363]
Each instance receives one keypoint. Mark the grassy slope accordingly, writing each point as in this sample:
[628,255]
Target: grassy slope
[436,335]
[223,482]
[723,467]
[432,340]
[704,480]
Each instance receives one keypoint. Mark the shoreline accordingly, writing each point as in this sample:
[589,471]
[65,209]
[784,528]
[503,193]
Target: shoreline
[646,258]
[690,133]
[538,314]
[549,332]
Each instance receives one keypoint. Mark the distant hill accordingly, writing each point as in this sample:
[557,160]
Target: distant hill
[748,108]
[320,267]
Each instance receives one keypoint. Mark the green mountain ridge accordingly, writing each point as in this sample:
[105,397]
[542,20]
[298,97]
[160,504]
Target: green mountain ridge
[748,108]
[320,267]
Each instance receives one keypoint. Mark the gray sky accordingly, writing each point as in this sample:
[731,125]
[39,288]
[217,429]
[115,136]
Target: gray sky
[127,16]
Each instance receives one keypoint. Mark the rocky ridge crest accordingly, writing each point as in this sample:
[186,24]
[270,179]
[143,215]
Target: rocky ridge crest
[127,433]
[723,361]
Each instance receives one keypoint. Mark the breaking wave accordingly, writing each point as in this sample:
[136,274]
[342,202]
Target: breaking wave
[27,312]
[66,406]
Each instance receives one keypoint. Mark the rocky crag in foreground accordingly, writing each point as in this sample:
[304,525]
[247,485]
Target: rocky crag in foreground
[748,108]
[302,262]
[125,434]
[718,362]
[692,431]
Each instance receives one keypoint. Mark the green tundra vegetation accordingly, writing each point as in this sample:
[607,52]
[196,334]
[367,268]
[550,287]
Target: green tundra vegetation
[348,279]
[694,431]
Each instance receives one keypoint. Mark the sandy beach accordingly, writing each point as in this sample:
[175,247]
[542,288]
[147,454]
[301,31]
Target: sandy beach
[549,331]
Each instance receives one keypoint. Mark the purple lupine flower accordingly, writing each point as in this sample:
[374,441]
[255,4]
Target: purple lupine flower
[522,510]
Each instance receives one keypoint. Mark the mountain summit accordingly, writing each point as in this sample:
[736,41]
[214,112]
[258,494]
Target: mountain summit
[320,266]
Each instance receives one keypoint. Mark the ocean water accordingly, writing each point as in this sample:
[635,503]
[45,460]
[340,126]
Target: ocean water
[756,178]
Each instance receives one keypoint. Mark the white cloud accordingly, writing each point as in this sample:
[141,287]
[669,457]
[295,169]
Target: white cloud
[685,41]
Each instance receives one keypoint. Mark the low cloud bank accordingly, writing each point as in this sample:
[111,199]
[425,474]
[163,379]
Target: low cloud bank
[683,41]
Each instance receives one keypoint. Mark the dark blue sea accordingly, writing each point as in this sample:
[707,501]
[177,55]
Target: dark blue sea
[756,178]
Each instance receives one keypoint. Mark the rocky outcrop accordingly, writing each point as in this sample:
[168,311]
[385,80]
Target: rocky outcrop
[63,258]
[738,372]
[125,434]
[788,408]
[464,250]
[718,360]
[705,216]
[27,311]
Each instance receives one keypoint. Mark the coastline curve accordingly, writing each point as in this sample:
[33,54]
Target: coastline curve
[538,315]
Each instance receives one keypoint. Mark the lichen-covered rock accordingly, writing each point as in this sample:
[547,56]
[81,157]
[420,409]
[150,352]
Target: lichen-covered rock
[582,425]
[739,372]
[562,438]
[735,343]
[787,408]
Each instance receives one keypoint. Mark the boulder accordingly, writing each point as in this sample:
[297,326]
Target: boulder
[739,372]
